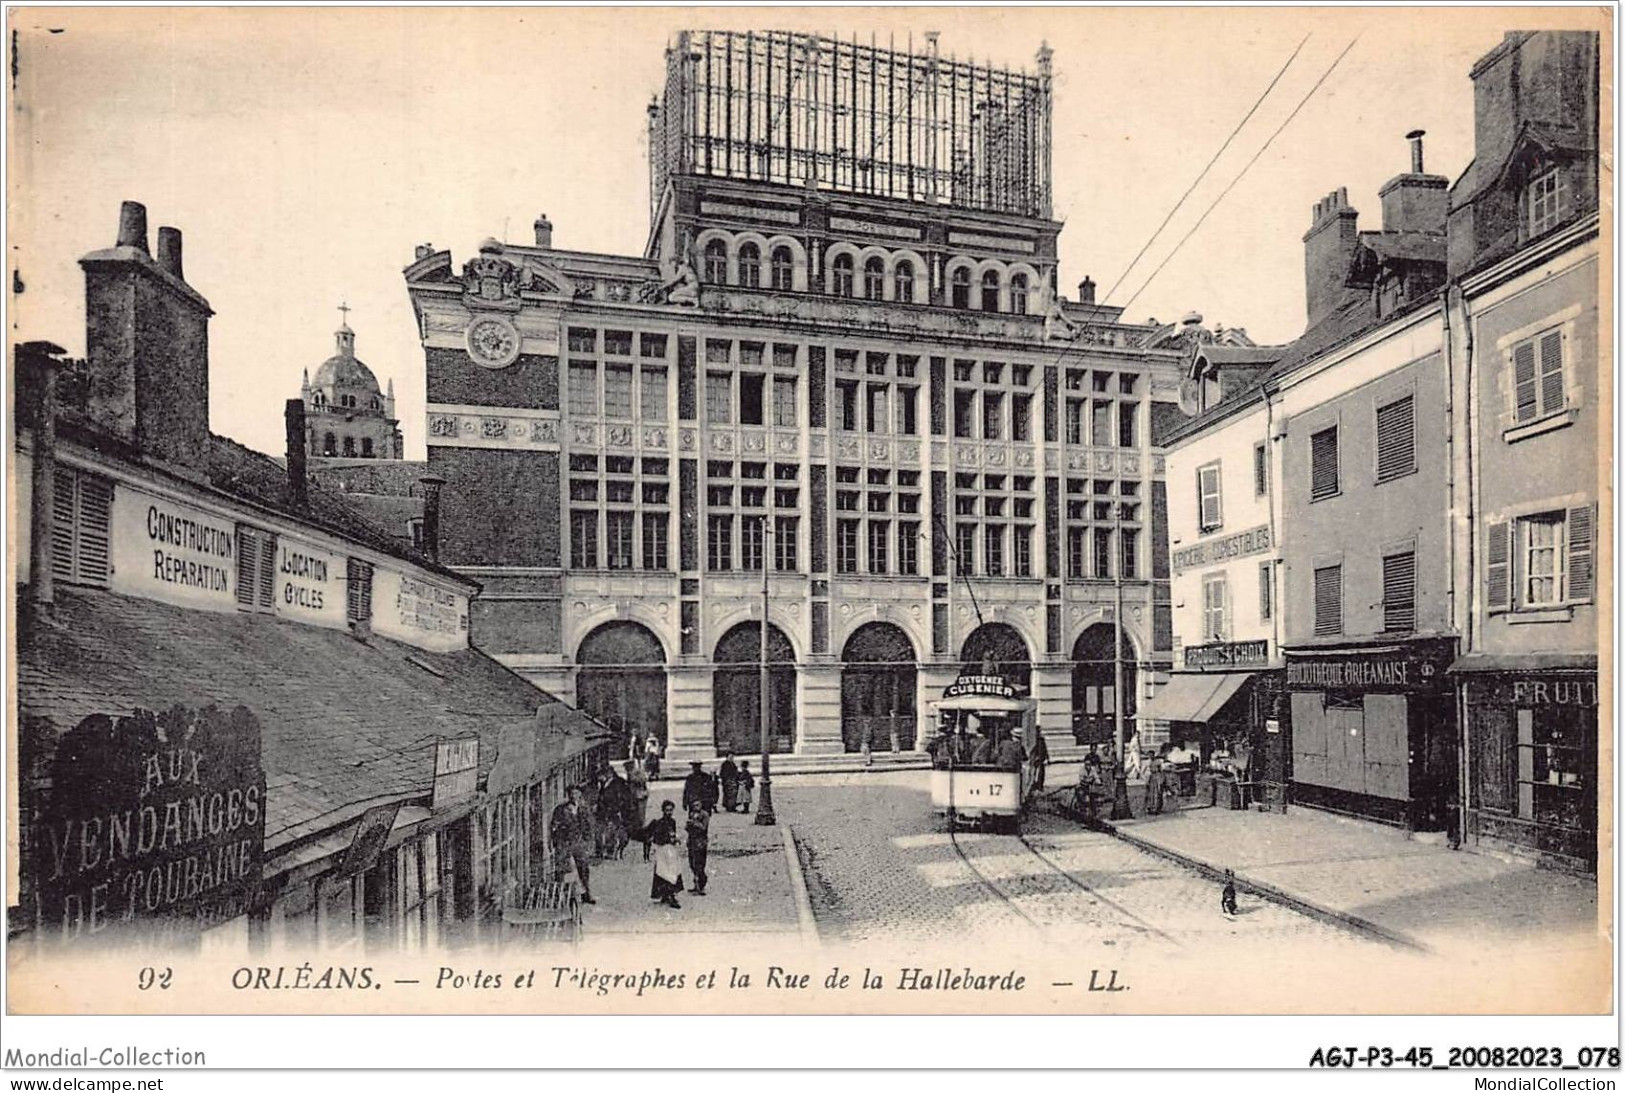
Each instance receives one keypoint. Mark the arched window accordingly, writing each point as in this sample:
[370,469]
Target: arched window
[750,266]
[990,290]
[961,293]
[874,279]
[716,262]
[318,400]
[903,280]
[377,404]
[330,445]
[349,445]
[784,267]
[1018,294]
[843,275]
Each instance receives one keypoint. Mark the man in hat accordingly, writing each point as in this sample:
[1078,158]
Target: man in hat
[571,828]
[1010,755]
[699,788]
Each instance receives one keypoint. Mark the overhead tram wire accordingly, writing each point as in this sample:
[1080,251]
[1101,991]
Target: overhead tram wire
[1243,174]
[1198,180]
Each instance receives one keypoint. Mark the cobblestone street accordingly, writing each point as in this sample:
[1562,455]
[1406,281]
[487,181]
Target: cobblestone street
[879,866]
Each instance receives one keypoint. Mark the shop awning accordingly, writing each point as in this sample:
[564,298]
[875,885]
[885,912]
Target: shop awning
[1193,696]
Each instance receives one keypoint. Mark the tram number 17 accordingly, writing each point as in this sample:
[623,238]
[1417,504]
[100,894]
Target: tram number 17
[995,789]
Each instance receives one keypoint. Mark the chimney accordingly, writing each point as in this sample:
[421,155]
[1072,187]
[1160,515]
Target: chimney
[431,516]
[293,415]
[544,232]
[1328,249]
[147,344]
[1415,202]
[37,366]
[1086,291]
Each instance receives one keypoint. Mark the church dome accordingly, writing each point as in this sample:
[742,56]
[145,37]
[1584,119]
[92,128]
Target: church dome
[344,369]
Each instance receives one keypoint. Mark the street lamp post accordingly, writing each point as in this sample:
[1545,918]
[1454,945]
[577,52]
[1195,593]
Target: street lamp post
[1120,805]
[764,806]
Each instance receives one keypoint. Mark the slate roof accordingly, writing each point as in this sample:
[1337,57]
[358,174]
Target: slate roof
[345,723]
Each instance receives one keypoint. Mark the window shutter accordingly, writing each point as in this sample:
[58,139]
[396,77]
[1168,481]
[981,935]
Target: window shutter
[1552,395]
[358,591]
[1396,439]
[1265,590]
[1260,470]
[248,551]
[267,574]
[1329,600]
[95,529]
[1580,532]
[1399,591]
[1323,464]
[63,539]
[1498,567]
[1526,402]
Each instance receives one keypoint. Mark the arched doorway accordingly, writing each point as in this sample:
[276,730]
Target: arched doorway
[1001,645]
[877,689]
[621,680]
[1094,698]
[736,693]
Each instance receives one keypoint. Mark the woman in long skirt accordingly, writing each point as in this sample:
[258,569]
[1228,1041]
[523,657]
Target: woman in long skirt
[668,875]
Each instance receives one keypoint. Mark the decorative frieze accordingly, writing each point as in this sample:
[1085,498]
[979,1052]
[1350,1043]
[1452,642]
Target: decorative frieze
[496,427]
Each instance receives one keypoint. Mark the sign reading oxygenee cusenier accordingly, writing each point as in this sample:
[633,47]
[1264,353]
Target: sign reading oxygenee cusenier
[154,825]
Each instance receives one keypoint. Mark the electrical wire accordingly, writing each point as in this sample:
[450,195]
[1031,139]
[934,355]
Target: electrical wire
[1198,181]
[1203,218]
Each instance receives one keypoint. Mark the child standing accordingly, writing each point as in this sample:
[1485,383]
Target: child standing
[747,784]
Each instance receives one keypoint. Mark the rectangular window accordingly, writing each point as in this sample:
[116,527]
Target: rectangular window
[583,340]
[618,392]
[878,410]
[655,532]
[618,343]
[784,356]
[256,567]
[1546,194]
[1537,374]
[1074,421]
[992,415]
[618,536]
[964,413]
[1131,554]
[1215,597]
[1075,552]
[718,352]
[1396,439]
[752,533]
[879,539]
[1261,469]
[785,529]
[908,419]
[1103,553]
[583,539]
[652,345]
[1021,417]
[1127,415]
[1022,548]
[784,400]
[1208,498]
[908,548]
[847,393]
[1101,429]
[1266,590]
[1540,560]
[1323,464]
[846,546]
[719,543]
[752,410]
[993,550]
[1328,600]
[653,391]
[719,398]
[81,527]
[1399,591]
[965,548]
[583,389]
[358,586]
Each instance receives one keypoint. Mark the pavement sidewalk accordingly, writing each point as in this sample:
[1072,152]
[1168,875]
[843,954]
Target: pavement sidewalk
[1379,879]
[749,890]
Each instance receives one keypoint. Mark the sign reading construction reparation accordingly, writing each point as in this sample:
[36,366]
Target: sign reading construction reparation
[164,550]
[154,821]
[1213,551]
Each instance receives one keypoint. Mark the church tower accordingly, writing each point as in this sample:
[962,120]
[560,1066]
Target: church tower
[347,416]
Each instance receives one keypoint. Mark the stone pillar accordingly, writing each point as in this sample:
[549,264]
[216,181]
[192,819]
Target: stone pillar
[1052,687]
[690,724]
[818,707]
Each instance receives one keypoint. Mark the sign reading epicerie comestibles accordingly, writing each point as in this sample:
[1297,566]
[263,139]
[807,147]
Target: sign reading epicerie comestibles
[418,612]
[168,551]
[309,583]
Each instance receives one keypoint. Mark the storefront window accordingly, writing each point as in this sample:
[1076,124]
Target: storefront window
[417,870]
[1551,766]
[504,828]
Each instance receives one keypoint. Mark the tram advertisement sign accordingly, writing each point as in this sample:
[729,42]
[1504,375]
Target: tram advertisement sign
[154,823]
[981,686]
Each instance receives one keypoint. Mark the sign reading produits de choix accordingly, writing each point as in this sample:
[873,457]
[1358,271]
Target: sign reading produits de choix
[154,821]
[167,551]
[1213,551]
[1227,654]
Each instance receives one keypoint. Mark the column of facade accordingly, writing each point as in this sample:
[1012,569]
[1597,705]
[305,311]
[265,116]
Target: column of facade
[818,706]
[690,720]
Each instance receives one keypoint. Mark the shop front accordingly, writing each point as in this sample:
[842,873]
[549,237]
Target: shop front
[1374,731]
[1530,724]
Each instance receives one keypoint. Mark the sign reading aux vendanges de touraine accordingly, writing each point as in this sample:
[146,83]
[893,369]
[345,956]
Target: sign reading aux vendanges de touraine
[154,823]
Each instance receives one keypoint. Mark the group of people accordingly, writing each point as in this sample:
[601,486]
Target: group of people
[584,831]
[993,747]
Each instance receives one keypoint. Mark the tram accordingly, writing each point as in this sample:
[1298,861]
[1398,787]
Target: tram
[969,785]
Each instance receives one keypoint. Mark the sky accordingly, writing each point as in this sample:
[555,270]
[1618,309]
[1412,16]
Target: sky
[305,152]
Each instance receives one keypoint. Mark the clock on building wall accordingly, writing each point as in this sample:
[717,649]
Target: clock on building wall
[493,341]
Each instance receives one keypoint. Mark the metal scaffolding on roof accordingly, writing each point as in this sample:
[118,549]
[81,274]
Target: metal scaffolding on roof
[804,110]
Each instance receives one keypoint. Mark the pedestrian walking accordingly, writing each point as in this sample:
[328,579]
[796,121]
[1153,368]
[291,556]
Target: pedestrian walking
[668,871]
[651,757]
[729,776]
[1040,757]
[1156,788]
[699,846]
[1227,897]
[613,813]
[1091,788]
[637,782]
[696,786]
[571,829]
[747,785]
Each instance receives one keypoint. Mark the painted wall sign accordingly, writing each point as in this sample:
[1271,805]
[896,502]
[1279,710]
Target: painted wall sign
[1213,551]
[167,551]
[456,770]
[1532,691]
[870,227]
[155,824]
[417,612]
[1408,669]
[750,212]
[983,686]
[994,242]
[1228,654]
[309,583]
